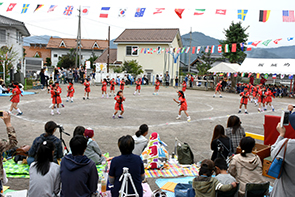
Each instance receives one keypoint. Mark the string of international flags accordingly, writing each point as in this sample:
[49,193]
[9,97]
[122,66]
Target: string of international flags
[258,75]
[287,15]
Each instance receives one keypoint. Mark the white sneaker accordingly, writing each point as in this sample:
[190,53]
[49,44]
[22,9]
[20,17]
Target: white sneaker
[52,113]
[178,118]
[189,119]
[58,113]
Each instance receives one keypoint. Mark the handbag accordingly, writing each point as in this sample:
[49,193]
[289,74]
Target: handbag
[276,167]
[181,189]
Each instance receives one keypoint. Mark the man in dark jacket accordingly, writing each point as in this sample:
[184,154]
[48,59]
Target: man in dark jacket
[78,173]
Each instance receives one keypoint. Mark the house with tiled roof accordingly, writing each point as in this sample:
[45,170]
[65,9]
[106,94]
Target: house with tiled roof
[62,46]
[136,44]
[38,50]
[102,60]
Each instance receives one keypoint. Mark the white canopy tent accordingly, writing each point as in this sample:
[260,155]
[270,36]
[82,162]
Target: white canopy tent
[225,68]
[270,66]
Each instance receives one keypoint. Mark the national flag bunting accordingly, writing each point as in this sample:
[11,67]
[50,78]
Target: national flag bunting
[274,76]
[182,50]
[51,8]
[288,16]
[242,46]
[187,49]
[199,11]
[198,49]
[266,76]
[255,43]
[104,12]
[242,74]
[38,7]
[282,76]
[85,10]
[264,15]
[249,75]
[236,74]
[220,11]
[290,76]
[226,48]
[25,8]
[249,48]
[220,74]
[266,42]
[193,50]
[68,10]
[10,7]
[142,49]
[219,48]
[122,12]
[207,49]
[277,40]
[139,12]
[228,74]
[212,49]
[159,10]
[291,38]
[214,73]
[257,76]
[242,14]
[179,12]
[234,47]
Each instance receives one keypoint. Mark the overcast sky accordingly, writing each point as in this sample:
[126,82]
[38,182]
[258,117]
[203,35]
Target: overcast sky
[211,24]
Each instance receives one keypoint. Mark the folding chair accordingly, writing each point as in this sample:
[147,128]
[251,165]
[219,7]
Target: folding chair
[256,189]
[232,193]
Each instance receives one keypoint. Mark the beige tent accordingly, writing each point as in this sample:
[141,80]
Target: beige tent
[225,68]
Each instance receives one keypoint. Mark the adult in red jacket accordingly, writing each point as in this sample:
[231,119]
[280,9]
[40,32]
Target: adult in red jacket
[14,98]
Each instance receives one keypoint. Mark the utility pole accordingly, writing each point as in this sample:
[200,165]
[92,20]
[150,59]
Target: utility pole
[108,59]
[78,47]
[189,55]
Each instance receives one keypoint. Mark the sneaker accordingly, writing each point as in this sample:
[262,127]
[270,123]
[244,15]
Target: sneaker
[19,114]
[72,101]
[114,116]
[246,112]
[67,100]
[83,98]
[273,109]
[120,116]
[239,112]
[213,96]
[178,118]
[52,113]
[58,113]
[220,96]
[153,93]
[62,105]
[88,98]
[189,119]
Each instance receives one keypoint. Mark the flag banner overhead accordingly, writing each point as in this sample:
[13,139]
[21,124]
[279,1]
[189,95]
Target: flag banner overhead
[255,43]
[122,12]
[266,76]
[139,12]
[274,76]
[277,40]
[10,7]
[288,16]
[85,10]
[199,11]
[212,49]
[159,11]
[207,49]
[234,47]
[220,11]
[104,12]
[68,10]
[226,48]
[266,42]
[257,76]
[291,38]
[25,8]
[187,49]
[219,48]
[198,49]
[179,12]
[242,46]
[242,14]
[264,15]
[38,7]
[51,8]
[193,50]
[249,75]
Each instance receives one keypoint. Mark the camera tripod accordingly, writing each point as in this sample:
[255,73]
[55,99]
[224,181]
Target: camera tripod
[61,130]
[124,187]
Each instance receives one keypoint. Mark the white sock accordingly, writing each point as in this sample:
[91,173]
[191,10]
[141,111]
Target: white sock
[188,117]
[240,109]
[72,99]
[52,111]
[68,98]
[245,110]
[57,109]
[18,110]
[135,92]
[179,116]
[214,95]
[102,96]
[272,107]
[107,95]
[138,93]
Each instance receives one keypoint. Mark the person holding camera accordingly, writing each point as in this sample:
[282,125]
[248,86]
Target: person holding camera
[50,128]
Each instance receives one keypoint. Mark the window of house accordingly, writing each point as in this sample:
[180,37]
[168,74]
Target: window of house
[2,35]
[95,45]
[62,44]
[132,50]
[54,55]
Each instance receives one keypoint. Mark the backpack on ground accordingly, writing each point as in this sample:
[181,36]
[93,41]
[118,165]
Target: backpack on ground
[184,153]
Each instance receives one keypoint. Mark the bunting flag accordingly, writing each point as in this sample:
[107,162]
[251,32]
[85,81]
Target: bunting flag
[104,12]
[220,74]
[122,12]
[182,50]
[199,11]
[159,10]
[255,43]
[212,49]
[38,7]
[68,10]
[288,16]
[220,11]
[290,76]
[193,50]
[249,48]
[207,49]
[249,75]
[277,40]
[85,10]
[242,14]
[25,8]
[257,76]
[214,73]
[10,7]
[179,12]
[228,74]
[249,43]
[178,50]
[219,48]
[234,47]
[291,38]
[236,74]
[1,3]
[142,49]
[139,12]
[264,15]
[266,76]
[187,49]
[282,76]
[226,48]
[274,76]
[242,74]
[198,49]
[51,8]
[242,46]
[266,42]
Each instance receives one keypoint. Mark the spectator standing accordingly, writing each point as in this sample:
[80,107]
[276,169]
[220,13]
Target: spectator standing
[70,75]
[76,75]
[167,78]
[118,80]
[65,75]
[93,77]
[262,80]
[234,131]
[161,79]
[56,74]
[42,78]
[252,79]
[82,74]
[78,173]
[176,82]
[223,84]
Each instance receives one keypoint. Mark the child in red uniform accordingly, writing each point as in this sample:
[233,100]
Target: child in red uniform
[122,84]
[104,88]
[157,87]
[183,105]
[15,99]
[71,92]
[112,87]
[218,88]
[268,99]
[87,88]
[255,94]
[183,86]
[119,104]
[261,99]
[138,86]
[244,100]
[56,100]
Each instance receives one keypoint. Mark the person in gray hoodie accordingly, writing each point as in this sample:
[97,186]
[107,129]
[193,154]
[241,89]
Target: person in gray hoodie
[140,140]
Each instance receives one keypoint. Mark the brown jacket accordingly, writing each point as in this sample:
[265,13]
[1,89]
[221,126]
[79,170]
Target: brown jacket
[246,170]
[6,145]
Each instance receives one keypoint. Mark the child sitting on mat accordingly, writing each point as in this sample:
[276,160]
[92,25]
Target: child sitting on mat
[221,172]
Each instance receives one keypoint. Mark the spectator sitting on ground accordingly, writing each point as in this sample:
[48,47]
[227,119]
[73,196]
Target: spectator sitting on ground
[246,167]
[50,128]
[6,145]
[140,140]
[3,90]
[44,173]
[221,172]
[220,144]
[130,161]
[205,185]
[234,131]
[78,173]
[284,186]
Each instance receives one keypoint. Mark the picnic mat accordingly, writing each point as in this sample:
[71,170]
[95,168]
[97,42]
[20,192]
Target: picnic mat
[172,170]
[23,93]
[162,182]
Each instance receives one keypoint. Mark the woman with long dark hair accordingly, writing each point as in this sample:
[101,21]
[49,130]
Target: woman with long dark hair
[234,131]
[220,144]
[44,173]
[140,141]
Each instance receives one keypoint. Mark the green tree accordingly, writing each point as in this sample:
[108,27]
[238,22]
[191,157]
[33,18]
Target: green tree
[132,67]
[68,60]
[7,57]
[117,69]
[235,34]
[92,58]
[48,61]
